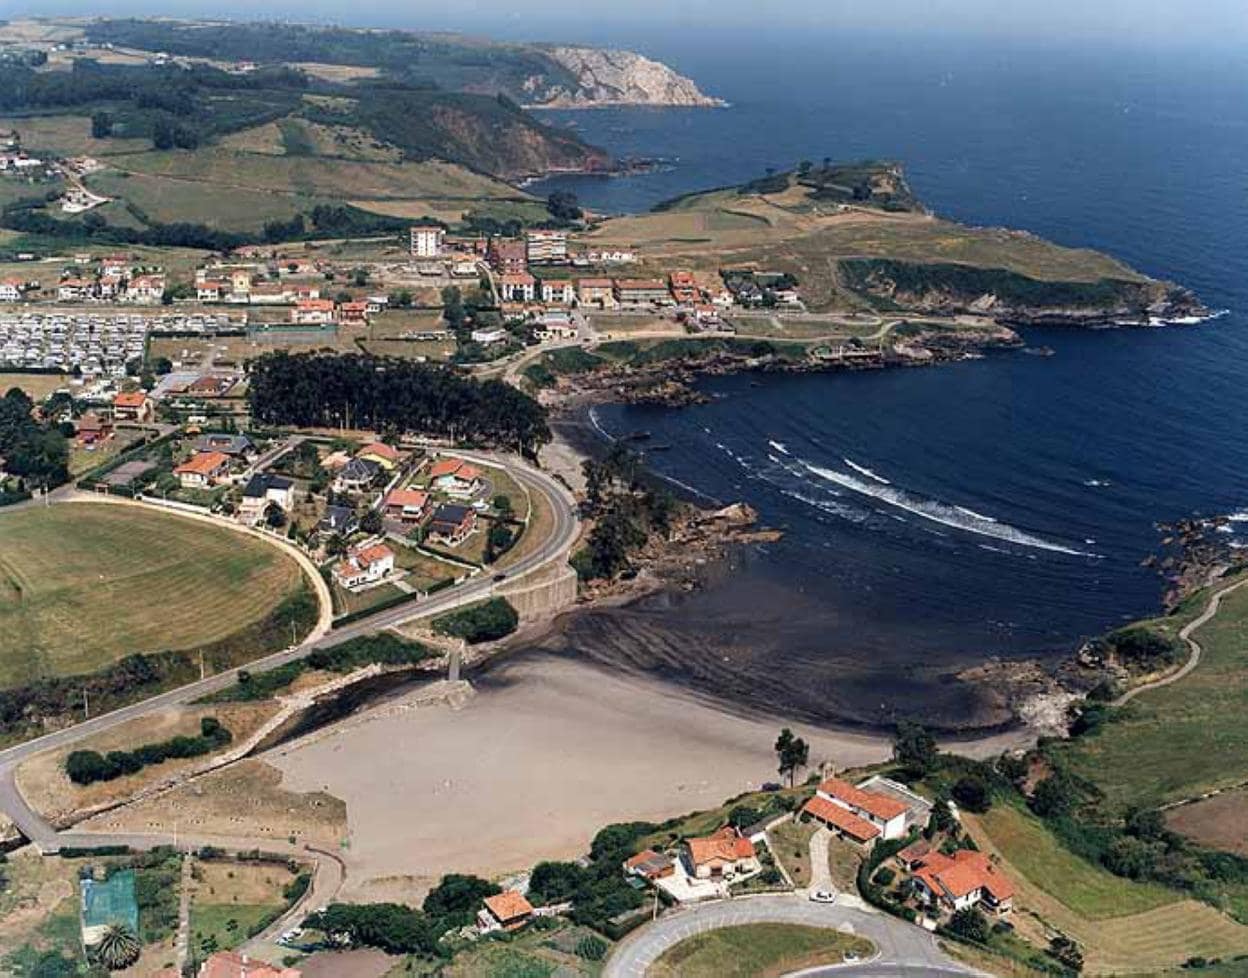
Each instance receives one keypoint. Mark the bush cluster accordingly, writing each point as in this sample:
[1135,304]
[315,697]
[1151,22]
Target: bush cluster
[88,766]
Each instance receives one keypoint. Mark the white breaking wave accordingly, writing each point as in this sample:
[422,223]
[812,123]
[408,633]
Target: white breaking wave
[845,512]
[1096,483]
[1187,320]
[974,515]
[779,446]
[863,470]
[943,513]
[593,420]
[1240,517]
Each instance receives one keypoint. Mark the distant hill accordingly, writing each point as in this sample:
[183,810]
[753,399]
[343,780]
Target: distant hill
[531,74]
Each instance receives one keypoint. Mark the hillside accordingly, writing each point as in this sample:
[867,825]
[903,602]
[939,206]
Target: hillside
[541,75]
[855,236]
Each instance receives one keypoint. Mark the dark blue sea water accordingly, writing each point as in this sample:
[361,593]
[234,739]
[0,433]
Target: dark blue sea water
[939,517]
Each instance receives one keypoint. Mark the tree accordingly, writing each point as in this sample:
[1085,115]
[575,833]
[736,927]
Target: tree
[118,948]
[458,895]
[1066,952]
[970,924]
[792,753]
[564,207]
[502,506]
[371,522]
[914,749]
[1053,797]
[101,125]
[274,515]
[972,794]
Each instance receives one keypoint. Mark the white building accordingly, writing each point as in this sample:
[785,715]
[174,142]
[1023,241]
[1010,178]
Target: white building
[364,566]
[544,246]
[427,240]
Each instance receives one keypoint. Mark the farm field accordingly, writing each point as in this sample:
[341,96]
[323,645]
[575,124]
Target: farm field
[1124,926]
[83,585]
[37,386]
[66,135]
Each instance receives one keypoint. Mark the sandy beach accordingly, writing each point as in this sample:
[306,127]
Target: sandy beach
[548,751]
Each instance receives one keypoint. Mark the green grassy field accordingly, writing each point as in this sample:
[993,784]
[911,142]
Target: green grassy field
[66,135]
[756,951]
[168,201]
[83,585]
[1088,890]
[1184,739]
[227,925]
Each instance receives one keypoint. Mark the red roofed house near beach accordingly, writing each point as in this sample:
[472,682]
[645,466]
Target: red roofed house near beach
[508,910]
[966,879]
[455,477]
[886,814]
[725,853]
[842,821]
[367,565]
[387,456]
[408,505]
[231,964]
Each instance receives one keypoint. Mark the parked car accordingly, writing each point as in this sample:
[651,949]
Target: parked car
[823,896]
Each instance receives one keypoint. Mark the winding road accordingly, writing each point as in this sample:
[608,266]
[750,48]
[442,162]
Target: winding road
[903,949]
[39,831]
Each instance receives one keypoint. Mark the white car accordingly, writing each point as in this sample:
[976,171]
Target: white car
[823,896]
[851,957]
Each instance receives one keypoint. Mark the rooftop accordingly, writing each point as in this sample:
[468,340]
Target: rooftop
[878,805]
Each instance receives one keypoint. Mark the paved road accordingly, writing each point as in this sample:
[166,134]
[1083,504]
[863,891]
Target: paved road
[904,949]
[564,532]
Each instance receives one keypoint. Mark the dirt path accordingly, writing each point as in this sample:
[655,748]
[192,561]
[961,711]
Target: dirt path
[1206,616]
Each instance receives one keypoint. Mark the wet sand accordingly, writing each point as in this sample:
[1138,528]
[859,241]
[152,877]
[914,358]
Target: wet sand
[549,751]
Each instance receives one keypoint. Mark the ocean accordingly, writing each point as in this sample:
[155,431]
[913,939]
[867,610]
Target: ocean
[998,508]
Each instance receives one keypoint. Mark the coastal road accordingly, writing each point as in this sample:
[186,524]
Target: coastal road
[903,949]
[554,548]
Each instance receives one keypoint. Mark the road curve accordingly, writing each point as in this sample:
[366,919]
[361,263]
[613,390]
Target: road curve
[903,949]
[1185,633]
[34,827]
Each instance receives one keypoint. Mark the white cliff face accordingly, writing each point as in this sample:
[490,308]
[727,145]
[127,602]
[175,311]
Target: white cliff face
[618,78]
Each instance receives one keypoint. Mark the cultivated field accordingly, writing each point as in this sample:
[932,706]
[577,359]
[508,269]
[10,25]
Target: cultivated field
[1125,927]
[66,135]
[82,585]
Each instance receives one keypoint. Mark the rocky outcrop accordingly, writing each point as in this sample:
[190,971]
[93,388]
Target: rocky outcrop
[606,77]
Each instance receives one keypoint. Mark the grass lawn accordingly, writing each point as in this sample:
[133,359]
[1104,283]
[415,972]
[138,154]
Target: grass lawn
[349,602]
[756,951]
[423,571]
[227,924]
[82,585]
[1185,739]
[790,844]
[1088,890]
[540,526]
[37,386]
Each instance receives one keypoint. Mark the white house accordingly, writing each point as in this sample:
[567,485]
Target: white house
[262,490]
[364,566]
[11,290]
[487,336]
[559,291]
[869,810]
[517,287]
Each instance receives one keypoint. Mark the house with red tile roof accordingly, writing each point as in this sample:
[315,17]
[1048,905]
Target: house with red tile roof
[649,865]
[231,964]
[313,312]
[455,477]
[724,853]
[884,812]
[508,910]
[364,566]
[965,879]
[132,406]
[406,505]
[842,822]
[517,287]
[387,456]
[203,470]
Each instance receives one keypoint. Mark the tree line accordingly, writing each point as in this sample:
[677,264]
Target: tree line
[34,452]
[326,390]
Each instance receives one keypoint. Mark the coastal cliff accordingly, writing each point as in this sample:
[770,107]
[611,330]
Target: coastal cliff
[610,77]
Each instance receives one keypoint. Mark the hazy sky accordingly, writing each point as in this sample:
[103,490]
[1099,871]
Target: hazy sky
[1215,22]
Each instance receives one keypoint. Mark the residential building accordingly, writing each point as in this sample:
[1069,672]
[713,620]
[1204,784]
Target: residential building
[133,406]
[357,474]
[118,265]
[364,566]
[842,822]
[261,490]
[313,312]
[74,290]
[650,865]
[506,255]
[91,429]
[406,505]
[455,477]
[452,524]
[486,337]
[387,456]
[353,313]
[599,292]
[965,879]
[211,290]
[211,385]
[724,853]
[235,446]
[203,470]
[109,286]
[338,519]
[555,325]
[508,910]
[426,240]
[684,288]
[546,247]
[146,290]
[560,291]
[11,290]
[636,292]
[886,814]
[232,964]
[517,287]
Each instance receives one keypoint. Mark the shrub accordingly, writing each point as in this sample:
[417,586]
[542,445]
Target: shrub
[970,924]
[972,794]
[885,876]
[591,948]
[483,622]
